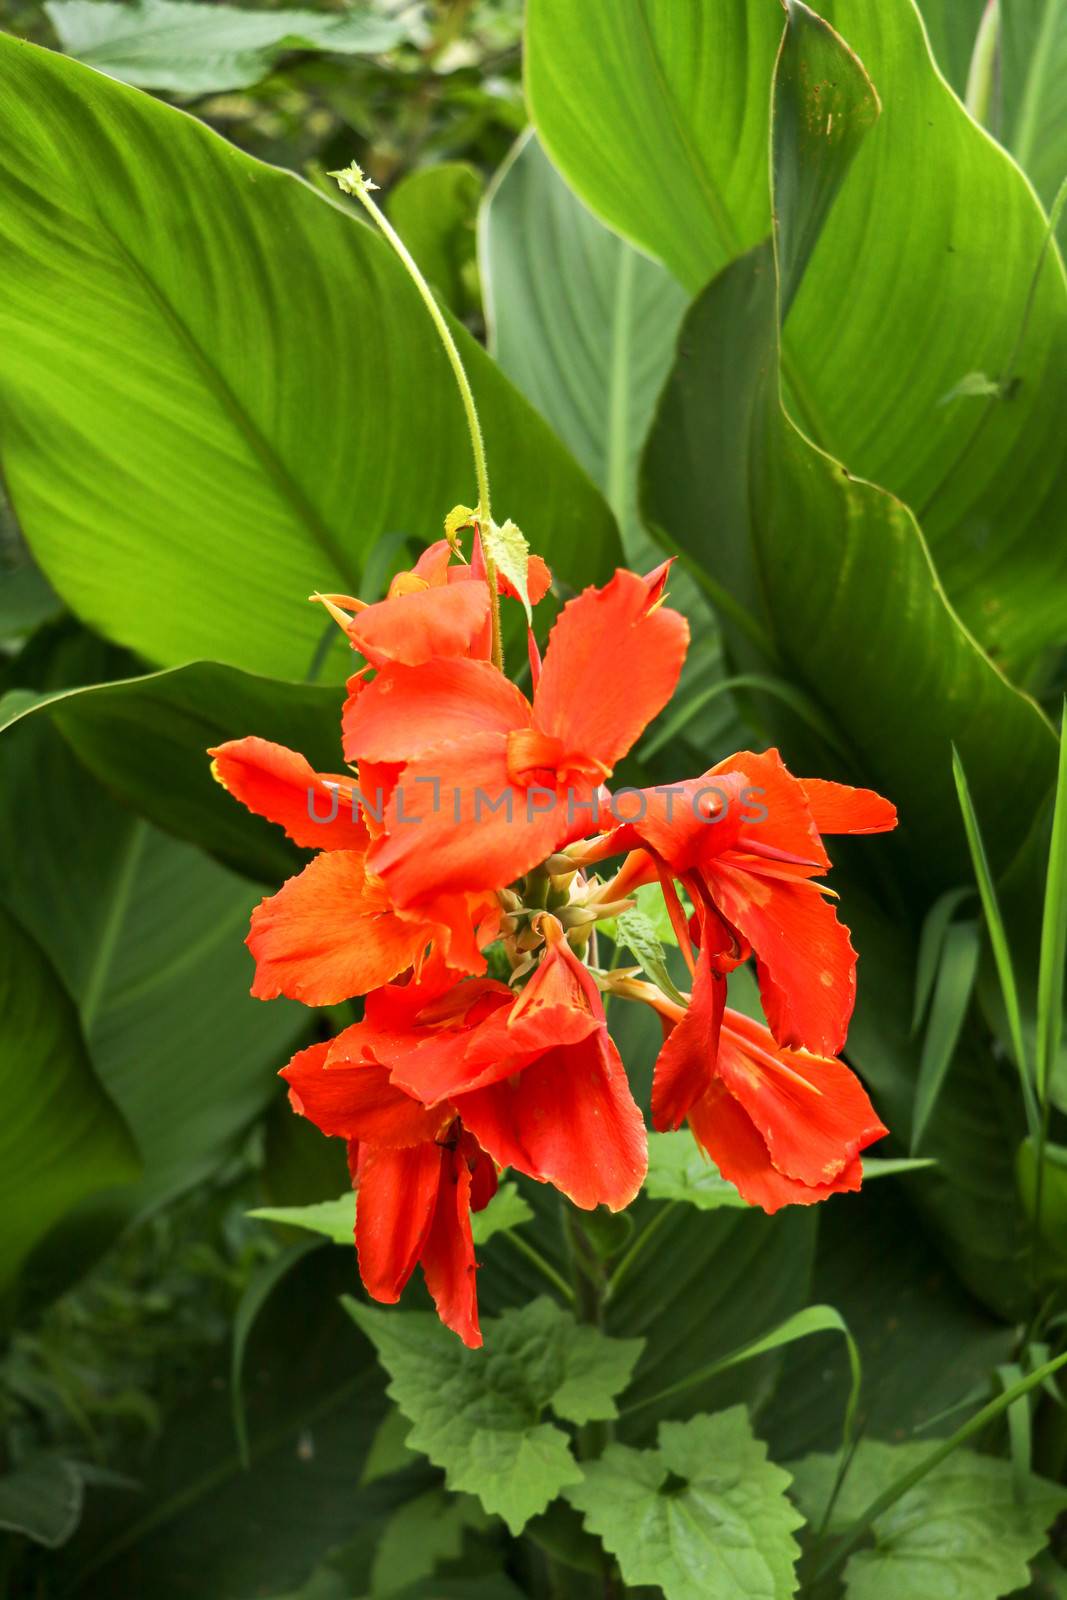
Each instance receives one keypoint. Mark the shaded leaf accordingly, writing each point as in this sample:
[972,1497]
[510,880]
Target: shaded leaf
[42,1498]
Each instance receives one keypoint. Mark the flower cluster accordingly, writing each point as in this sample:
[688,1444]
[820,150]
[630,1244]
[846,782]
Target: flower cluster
[454,888]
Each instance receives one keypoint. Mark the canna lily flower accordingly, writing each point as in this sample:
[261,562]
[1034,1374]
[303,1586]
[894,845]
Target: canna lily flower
[417,1172]
[745,840]
[786,1127]
[490,784]
[438,609]
[331,932]
[536,1078]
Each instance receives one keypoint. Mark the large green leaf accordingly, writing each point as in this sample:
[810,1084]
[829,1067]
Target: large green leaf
[658,118]
[62,1138]
[703,1517]
[215,384]
[147,935]
[147,739]
[836,569]
[482,1415]
[959,1531]
[952,27]
[580,321]
[434,210]
[1032,120]
[200,49]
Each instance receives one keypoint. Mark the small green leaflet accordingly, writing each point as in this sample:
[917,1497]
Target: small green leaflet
[482,1415]
[419,1535]
[506,546]
[958,1531]
[650,901]
[638,933]
[336,1219]
[703,1517]
[679,1170]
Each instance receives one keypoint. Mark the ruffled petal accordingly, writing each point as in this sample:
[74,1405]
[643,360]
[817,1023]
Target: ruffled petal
[448,1263]
[811,1112]
[396,1197]
[328,934]
[804,957]
[412,628]
[406,711]
[569,1119]
[348,1097]
[686,1063]
[647,648]
[457,822]
[837,808]
[724,1129]
[315,810]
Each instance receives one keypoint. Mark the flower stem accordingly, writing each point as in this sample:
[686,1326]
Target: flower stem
[351,180]
[547,1270]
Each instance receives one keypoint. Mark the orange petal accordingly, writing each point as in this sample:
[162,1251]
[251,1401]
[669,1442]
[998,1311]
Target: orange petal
[569,1120]
[413,628]
[774,809]
[328,934]
[837,808]
[396,1199]
[276,783]
[804,957]
[724,1129]
[646,651]
[408,710]
[448,1263]
[686,1064]
[456,822]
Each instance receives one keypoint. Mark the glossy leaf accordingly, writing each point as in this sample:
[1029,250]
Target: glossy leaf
[659,121]
[250,369]
[195,49]
[146,739]
[63,1140]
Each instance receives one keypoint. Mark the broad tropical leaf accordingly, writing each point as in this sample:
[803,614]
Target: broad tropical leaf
[245,365]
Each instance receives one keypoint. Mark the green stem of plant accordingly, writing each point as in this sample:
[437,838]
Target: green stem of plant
[545,1268]
[589,1308]
[354,183]
[648,1232]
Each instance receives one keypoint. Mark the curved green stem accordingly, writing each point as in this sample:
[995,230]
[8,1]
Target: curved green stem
[351,180]
[547,1270]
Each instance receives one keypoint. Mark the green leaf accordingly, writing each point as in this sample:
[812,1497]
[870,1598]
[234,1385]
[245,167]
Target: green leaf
[261,1285]
[42,1498]
[703,1517]
[63,1140]
[420,1534]
[951,1002]
[194,49]
[480,1415]
[147,739]
[959,1531]
[249,362]
[952,26]
[506,545]
[1053,1200]
[679,1170]
[638,933]
[336,1219]
[1053,960]
[653,908]
[147,935]
[620,92]
[434,210]
[26,600]
[580,321]
[388,1451]
[1033,100]
[931,941]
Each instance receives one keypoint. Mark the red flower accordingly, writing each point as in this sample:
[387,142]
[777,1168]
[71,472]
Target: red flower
[745,840]
[330,932]
[536,1078]
[417,1174]
[436,610]
[491,785]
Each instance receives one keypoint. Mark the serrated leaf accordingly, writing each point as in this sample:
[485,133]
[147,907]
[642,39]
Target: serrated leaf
[638,933]
[725,1530]
[480,1415]
[958,1531]
[421,1533]
[506,1210]
[506,546]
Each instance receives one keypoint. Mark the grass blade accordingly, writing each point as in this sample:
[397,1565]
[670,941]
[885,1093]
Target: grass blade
[956,973]
[1053,934]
